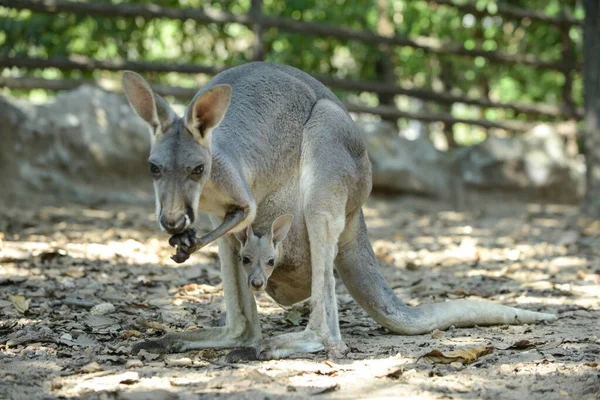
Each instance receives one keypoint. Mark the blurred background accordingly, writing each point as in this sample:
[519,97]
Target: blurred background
[473,114]
[450,95]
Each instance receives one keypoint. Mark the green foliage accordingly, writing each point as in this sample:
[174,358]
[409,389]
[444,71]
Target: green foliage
[41,35]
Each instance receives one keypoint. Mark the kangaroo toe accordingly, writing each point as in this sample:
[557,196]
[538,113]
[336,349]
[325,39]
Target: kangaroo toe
[244,354]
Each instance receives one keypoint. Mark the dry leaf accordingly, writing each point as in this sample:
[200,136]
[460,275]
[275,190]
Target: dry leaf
[521,345]
[131,333]
[464,356]
[326,389]
[393,372]
[21,303]
[91,367]
[293,317]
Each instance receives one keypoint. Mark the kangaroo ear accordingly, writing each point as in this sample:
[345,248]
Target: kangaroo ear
[148,105]
[243,235]
[206,112]
[280,228]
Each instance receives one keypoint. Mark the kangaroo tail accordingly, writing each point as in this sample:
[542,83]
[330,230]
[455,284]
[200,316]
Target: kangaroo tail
[357,265]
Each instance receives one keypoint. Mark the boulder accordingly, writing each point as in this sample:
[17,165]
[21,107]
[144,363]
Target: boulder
[534,164]
[87,145]
[403,165]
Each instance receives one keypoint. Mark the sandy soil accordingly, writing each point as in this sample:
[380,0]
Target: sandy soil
[65,260]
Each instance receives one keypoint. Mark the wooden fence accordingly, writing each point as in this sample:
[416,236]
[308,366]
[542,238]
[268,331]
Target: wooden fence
[259,22]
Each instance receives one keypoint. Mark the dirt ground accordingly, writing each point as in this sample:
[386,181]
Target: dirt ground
[57,263]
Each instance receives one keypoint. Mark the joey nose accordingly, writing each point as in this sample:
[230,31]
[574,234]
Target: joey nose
[173,225]
[256,283]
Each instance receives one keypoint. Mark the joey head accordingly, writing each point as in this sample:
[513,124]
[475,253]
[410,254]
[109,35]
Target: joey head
[259,254]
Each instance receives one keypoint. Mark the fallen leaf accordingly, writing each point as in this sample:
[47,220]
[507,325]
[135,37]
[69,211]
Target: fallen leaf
[521,345]
[326,389]
[131,333]
[91,367]
[464,356]
[21,303]
[294,317]
[392,373]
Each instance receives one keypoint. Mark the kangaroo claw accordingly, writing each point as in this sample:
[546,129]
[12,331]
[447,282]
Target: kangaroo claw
[152,346]
[181,255]
[187,238]
[244,354]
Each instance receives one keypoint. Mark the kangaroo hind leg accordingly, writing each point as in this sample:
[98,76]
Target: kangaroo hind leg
[326,168]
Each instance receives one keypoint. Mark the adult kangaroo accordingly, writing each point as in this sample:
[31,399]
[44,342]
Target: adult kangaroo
[259,141]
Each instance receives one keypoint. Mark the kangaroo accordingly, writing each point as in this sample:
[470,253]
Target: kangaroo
[262,140]
[260,255]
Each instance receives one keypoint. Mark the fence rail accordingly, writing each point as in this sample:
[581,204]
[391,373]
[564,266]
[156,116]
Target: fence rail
[259,22]
[511,13]
[88,64]
[28,83]
[208,15]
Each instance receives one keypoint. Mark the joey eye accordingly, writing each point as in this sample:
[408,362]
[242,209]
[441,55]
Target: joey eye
[198,170]
[154,169]
[246,260]
[271,262]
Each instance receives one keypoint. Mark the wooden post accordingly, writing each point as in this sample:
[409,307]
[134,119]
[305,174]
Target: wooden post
[384,67]
[591,86]
[257,45]
[568,56]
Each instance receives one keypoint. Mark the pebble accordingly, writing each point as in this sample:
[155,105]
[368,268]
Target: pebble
[457,366]
[102,309]
[134,363]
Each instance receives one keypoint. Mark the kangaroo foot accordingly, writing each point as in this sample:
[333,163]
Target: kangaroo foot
[158,346]
[241,355]
[278,347]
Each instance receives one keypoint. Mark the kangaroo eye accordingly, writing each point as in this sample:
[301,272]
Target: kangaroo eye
[154,169]
[198,170]
[271,262]
[246,260]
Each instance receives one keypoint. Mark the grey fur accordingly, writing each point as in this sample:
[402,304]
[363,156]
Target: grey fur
[287,145]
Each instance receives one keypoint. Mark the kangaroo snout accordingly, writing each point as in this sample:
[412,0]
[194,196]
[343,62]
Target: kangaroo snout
[174,225]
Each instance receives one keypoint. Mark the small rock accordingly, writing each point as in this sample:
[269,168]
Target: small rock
[457,366]
[102,309]
[178,362]
[147,356]
[436,334]
[175,317]
[134,363]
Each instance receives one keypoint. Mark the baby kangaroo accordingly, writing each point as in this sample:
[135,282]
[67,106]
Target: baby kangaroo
[260,254]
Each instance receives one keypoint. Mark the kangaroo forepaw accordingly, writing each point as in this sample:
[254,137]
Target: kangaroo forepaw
[243,354]
[181,256]
[187,238]
[186,243]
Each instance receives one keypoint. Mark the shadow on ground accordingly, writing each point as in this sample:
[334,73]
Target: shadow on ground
[64,260]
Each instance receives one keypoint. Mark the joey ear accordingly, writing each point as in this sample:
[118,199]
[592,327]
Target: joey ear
[243,235]
[148,105]
[206,112]
[280,228]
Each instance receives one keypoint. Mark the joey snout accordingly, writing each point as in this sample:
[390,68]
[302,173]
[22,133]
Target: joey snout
[257,282]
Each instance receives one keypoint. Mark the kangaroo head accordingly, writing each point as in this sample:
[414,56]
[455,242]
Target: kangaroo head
[259,255]
[180,158]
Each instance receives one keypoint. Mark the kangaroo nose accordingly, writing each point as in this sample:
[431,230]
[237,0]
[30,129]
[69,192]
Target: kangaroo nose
[256,283]
[173,226]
